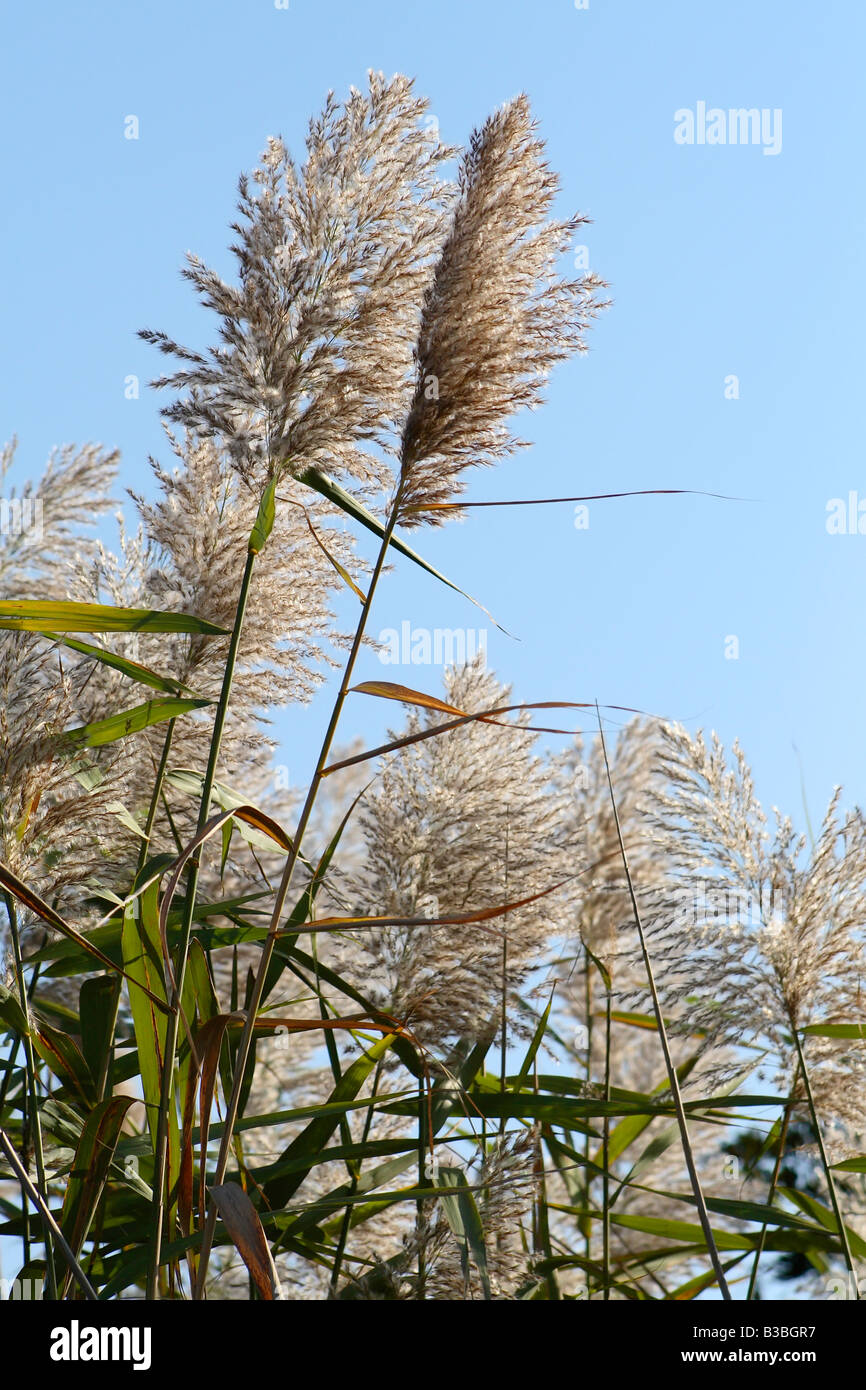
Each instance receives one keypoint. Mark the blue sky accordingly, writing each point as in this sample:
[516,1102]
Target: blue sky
[722,260]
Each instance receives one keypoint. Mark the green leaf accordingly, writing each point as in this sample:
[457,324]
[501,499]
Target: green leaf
[90,1168]
[836,1030]
[42,909]
[692,1234]
[825,1215]
[142,960]
[462,1216]
[130,721]
[264,522]
[308,1144]
[11,1014]
[97,1004]
[321,483]
[498,1105]
[64,1059]
[741,1210]
[28,615]
[537,1039]
[133,669]
[192,784]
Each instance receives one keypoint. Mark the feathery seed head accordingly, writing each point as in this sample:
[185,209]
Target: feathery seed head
[496,317]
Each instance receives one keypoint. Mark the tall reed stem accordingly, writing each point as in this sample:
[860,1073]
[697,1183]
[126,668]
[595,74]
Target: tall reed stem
[34,1126]
[771,1195]
[605,1151]
[52,1230]
[108,1054]
[673,1080]
[167,1091]
[828,1172]
[245,1044]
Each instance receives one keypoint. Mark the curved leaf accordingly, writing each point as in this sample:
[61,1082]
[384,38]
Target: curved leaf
[34,615]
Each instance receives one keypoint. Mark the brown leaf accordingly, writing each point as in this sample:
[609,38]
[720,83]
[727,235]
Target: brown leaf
[32,900]
[486,716]
[241,1220]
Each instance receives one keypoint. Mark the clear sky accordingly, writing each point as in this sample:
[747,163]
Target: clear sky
[723,261]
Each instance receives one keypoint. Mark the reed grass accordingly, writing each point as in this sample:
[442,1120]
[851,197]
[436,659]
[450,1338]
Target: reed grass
[241,1058]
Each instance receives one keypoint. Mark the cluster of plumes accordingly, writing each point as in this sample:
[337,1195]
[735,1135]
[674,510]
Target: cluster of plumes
[188,555]
[384,311]
[506,1182]
[601,933]
[458,824]
[360,275]
[315,364]
[603,916]
[386,325]
[755,934]
[66,819]
[496,316]
[58,830]
[46,538]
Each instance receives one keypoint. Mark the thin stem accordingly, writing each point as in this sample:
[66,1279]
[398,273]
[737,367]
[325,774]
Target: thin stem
[51,1227]
[34,1124]
[420,1214]
[4,1085]
[172,1024]
[605,1150]
[828,1173]
[107,1059]
[587,1010]
[503,1071]
[353,1187]
[282,892]
[673,1080]
[155,796]
[783,1135]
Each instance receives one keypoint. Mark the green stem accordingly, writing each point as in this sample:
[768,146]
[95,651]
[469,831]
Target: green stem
[107,1060]
[828,1173]
[167,1096]
[156,794]
[420,1214]
[605,1150]
[673,1079]
[282,893]
[587,1010]
[783,1135]
[34,1123]
[353,1187]
[52,1230]
[503,1070]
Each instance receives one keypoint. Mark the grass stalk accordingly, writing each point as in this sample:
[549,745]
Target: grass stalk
[172,1024]
[34,1124]
[52,1230]
[283,890]
[825,1162]
[605,1150]
[783,1135]
[673,1080]
[107,1059]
